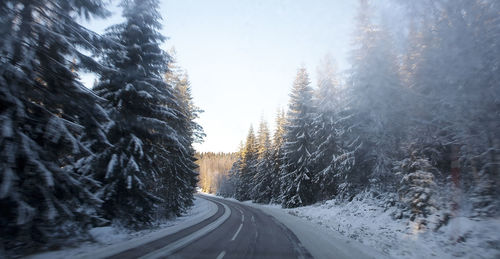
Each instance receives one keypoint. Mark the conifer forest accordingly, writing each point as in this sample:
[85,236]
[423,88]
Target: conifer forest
[413,123]
[73,157]
[417,124]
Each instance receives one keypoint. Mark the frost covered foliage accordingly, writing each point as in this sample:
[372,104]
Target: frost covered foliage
[71,158]
[429,82]
[149,170]
[417,188]
[247,167]
[297,173]
[376,100]
[459,38]
[263,179]
[333,156]
[45,113]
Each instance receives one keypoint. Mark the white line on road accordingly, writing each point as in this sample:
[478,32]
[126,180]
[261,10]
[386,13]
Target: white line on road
[242,217]
[253,219]
[171,248]
[221,255]
[237,232]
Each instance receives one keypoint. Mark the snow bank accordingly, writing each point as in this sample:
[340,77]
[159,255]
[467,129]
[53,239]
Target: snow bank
[365,220]
[320,242]
[112,240]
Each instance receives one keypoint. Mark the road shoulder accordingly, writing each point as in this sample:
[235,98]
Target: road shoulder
[320,242]
[202,210]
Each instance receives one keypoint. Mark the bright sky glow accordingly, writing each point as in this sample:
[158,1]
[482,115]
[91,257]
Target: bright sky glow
[242,56]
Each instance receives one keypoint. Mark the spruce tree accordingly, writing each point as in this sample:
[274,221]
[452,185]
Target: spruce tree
[458,37]
[332,157]
[277,155]
[262,182]
[417,188]
[230,184]
[297,171]
[150,161]
[190,132]
[44,113]
[247,167]
[375,102]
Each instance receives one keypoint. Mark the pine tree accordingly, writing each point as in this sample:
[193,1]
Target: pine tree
[262,182]
[150,161]
[44,112]
[247,168]
[376,102]
[179,79]
[297,174]
[331,158]
[457,37]
[417,187]
[277,156]
[229,186]
[190,132]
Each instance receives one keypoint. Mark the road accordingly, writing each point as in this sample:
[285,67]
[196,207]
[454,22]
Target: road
[234,231]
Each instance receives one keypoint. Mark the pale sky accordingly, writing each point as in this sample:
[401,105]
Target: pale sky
[242,55]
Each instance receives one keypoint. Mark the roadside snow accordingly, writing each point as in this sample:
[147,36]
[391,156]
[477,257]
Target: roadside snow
[364,220]
[320,242]
[112,240]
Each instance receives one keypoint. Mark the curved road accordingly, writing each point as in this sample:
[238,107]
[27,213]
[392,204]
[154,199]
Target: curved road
[244,232]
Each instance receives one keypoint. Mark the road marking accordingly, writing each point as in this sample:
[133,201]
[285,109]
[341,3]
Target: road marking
[120,247]
[221,255]
[242,217]
[253,219]
[171,248]
[237,232]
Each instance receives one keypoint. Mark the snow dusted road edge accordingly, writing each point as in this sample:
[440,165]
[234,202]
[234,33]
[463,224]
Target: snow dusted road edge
[169,249]
[367,221]
[320,242]
[111,241]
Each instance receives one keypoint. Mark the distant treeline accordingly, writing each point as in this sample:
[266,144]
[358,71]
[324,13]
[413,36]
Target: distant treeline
[213,167]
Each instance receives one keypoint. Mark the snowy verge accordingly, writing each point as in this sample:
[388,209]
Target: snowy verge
[320,242]
[112,240]
[365,220]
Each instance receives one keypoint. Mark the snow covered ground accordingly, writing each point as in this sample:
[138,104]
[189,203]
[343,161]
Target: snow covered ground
[319,241]
[361,227]
[111,240]
[365,220]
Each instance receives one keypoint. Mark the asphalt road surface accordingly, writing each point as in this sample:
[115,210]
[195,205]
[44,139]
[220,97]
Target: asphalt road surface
[246,233]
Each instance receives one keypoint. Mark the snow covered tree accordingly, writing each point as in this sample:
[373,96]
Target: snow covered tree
[277,156]
[263,139]
[262,182]
[417,187]
[297,174]
[376,101]
[179,79]
[230,184]
[458,38]
[331,158]
[189,132]
[44,113]
[150,162]
[247,167]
